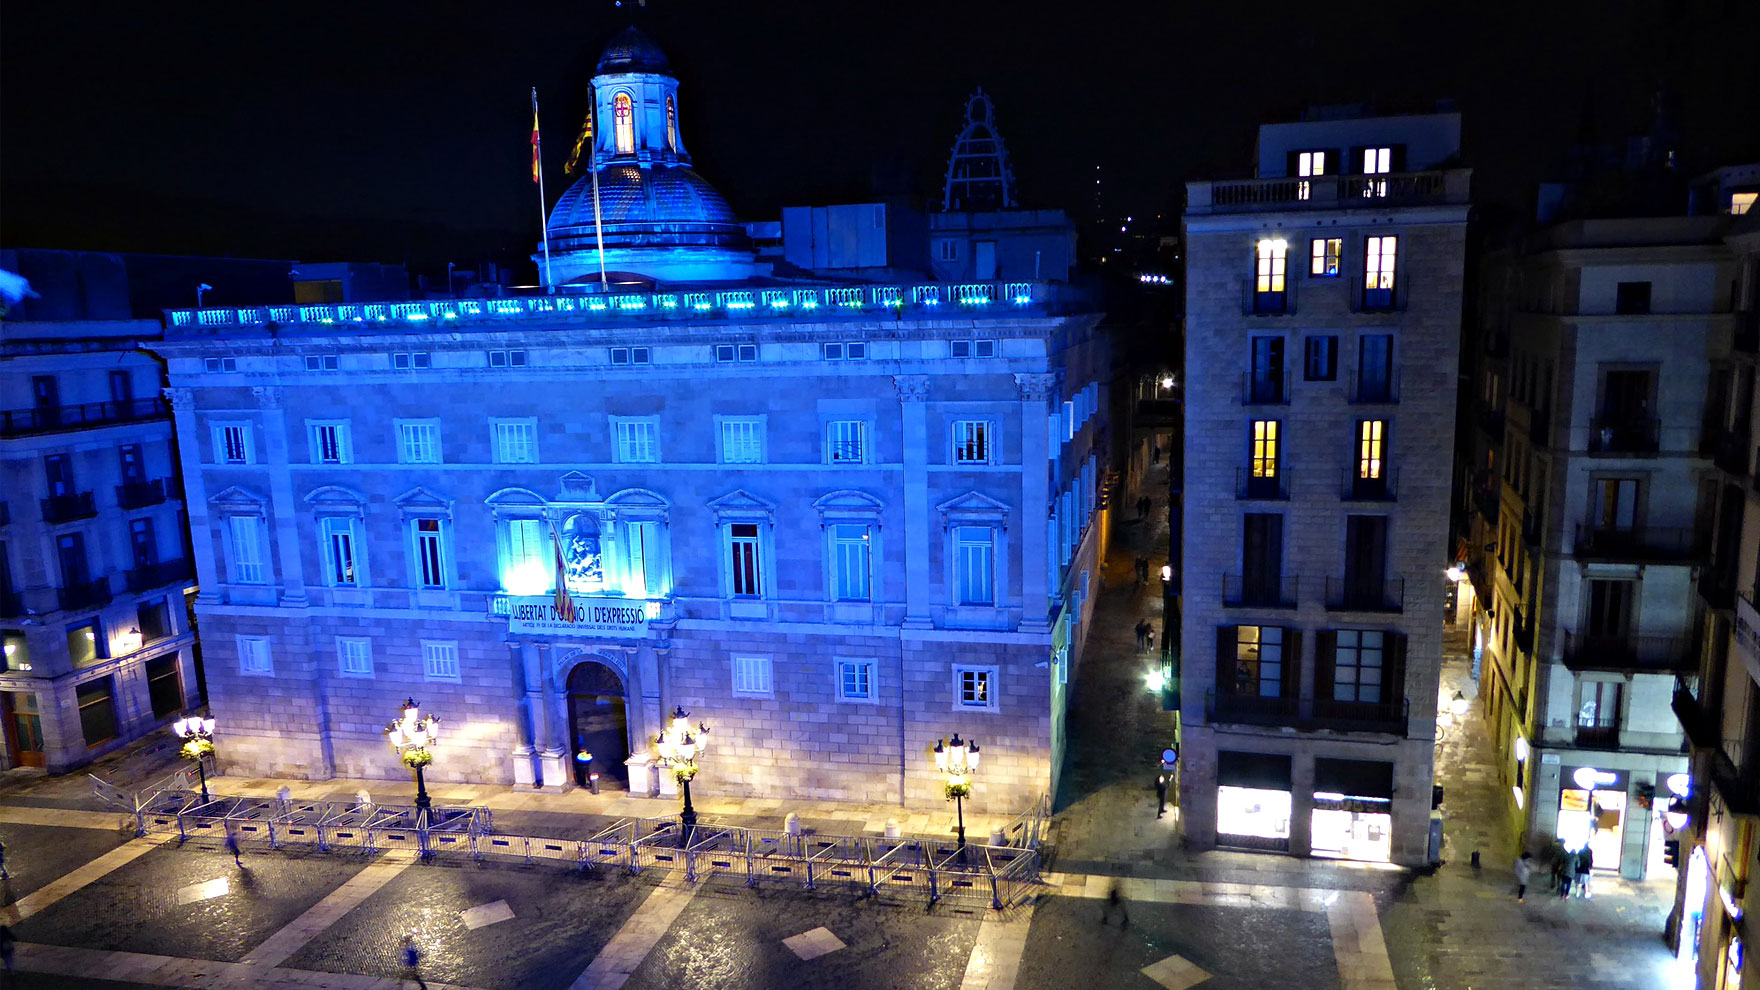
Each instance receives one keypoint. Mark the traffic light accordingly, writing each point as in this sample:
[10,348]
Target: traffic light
[1671,852]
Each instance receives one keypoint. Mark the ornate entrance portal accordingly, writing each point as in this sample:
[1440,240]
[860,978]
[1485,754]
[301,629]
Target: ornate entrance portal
[598,720]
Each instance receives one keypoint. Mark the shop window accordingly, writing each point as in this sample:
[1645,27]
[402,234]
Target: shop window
[1253,800]
[1353,802]
[164,686]
[86,644]
[97,711]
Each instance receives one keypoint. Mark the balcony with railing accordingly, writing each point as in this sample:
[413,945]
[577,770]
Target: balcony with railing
[1227,708]
[1262,299]
[72,507]
[1248,709]
[1649,544]
[1360,716]
[1354,595]
[84,595]
[1353,487]
[140,494]
[1598,733]
[1701,722]
[1380,295]
[1370,390]
[1630,653]
[158,575]
[1259,389]
[1623,435]
[1328,192]
[1739,789]
[1249,486]
[1253,591]
[60,419]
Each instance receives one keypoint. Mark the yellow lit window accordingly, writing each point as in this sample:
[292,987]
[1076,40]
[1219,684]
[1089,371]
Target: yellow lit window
[1369,450]
[1742,202]
[1324,255]
[624,123]
[671,126]
[1377,161]
[1271,257]
[1378,262]
[1309,164]
[1264,448]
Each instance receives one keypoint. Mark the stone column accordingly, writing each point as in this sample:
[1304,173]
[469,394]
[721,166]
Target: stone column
[525,772]
[913,393]
[1301,810]
[283,505]
[1035,390]
[552,761]
[195,498]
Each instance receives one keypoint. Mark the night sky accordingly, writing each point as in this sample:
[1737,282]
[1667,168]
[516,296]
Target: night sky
[398,131]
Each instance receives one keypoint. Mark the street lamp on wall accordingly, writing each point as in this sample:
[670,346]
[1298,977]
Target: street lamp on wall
[413,736]
[958,761]
[679,748]
[197,734]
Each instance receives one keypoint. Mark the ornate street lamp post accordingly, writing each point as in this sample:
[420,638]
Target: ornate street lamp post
[413,736]
[958,761]
[197,734]
[679,749]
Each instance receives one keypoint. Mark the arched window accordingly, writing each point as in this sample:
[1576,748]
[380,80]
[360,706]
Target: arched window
[671,126]
[624,123]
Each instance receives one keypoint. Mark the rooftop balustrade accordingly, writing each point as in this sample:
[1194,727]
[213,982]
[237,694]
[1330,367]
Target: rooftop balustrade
[1329,192]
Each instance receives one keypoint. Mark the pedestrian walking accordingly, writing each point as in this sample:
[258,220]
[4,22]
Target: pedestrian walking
[1142,570]
[1149,639]
[1115,899]
[232,847]
[1160,795]
[1524,871]
[6,946]
[410,958]
[1585,863]
[4,875]
[1143,628]
[1156,459]
[1564,871]
[1143,507]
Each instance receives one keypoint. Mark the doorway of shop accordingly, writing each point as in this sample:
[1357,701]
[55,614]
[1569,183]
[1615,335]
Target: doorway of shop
[598,723]
[24,728]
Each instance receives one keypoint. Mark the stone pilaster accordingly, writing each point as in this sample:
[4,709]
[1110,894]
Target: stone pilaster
[913,394]
[283,504]
[1035,390]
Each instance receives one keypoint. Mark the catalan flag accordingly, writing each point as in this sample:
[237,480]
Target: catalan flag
[574,157]
[564,603]
[535,144]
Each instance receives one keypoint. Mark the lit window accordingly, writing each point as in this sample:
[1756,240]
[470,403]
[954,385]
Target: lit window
[418,442]
[430,553]
[1270,258]
[232,444]
[354,656]
[974,688]
[971,441]
[743,555]
[330,443]
[339,550]
[1309,164]
[637,441]
[624,123]
[440,661]
[1258,667]
[246,546]
[1265,448]
[527,569]
[1740,203]
[1370,434]
[742,440]
[855,680]
[1380,254]
[1358,659]
[846,441]
[973,555]
[1324,256]
[851,556]
[254,657]
[1376,161]
[752,676]
[671,126]
[516,441]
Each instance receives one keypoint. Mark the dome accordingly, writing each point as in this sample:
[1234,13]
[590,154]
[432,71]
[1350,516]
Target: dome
[634,197]
[664,221]
[632,51]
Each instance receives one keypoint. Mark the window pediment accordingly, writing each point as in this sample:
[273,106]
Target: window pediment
[337,500]
[577,487]
[421,501]
[638,503]
[848,503]
[973,507]
[238,500]
[516,498]
[741,504]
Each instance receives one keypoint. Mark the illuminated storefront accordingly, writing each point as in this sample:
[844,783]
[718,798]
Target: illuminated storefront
[1353,803]
[1592,811]
[1253,800]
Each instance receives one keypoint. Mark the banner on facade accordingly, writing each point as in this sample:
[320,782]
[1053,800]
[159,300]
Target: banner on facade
[592,616]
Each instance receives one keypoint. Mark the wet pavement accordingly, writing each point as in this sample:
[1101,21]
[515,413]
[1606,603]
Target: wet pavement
[39,854]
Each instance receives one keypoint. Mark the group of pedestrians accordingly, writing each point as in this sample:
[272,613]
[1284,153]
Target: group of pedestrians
[1570,873]
[1145,636]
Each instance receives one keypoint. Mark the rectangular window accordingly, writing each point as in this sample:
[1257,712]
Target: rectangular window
[851,556]
[418,442]
[354,656]
[142,546]
[971,441]
[246,544]
[528,556]
[974,688]
[86,643]
[1379,257]
[742,440]
[949,250]
[339,550]
[507,359]
[164,686]
[1270,258]
[1258,666]
[1374,368]
[1616,504]
[1268,378]
[322,362]
[153,619]
[440,661]
[832,351]
[1357,662]
[329,440]
[232,443]
[736,352]
[972,348]
[253,656]
[846,441]
[1264,456]
[1324,257]
[637,441]
[1308,165]
[134,468]
[631,355]
[1370,439]
[1320,359]
[97,711]
[516,441]
[855,680]
[417,361]
[430,553]
[974,554]
[645,578]
[1632,298]
[751,676]
[1376,161]
[743,559]
[220,364]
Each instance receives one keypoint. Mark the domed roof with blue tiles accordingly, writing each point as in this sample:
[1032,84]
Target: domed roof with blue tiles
[632,51]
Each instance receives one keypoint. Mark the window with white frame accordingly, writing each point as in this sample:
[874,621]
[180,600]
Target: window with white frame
[855,680]
[354,656]
[330,441]
[644,574]
[851,562]
[322,362]
[752,676]
[971,441]
[233,444]
[244,546]
[846,441]
[254,657]
[418,441]
[744,553]
[974,555]
[638,440]
[338,550]
[429,536]
[516,441]
[1359,657]
[742,439]
[440,660]
[1380,255]
[974,688]
[527,569]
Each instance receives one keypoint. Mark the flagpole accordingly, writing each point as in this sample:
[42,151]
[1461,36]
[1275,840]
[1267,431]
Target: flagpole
[543,217]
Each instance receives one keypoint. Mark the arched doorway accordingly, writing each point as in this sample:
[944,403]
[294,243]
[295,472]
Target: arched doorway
[598,721]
